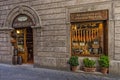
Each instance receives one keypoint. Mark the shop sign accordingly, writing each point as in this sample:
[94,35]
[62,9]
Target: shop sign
[22,18]
[89,16]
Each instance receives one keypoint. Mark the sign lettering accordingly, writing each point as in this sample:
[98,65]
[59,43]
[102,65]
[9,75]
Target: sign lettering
[88,16]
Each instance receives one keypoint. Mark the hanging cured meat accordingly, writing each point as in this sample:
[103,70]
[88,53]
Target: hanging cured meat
[86,36]
[81,34]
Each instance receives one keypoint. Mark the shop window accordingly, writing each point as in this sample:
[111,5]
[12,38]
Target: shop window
[87,38]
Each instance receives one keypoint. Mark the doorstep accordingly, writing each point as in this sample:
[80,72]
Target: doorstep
[24,66]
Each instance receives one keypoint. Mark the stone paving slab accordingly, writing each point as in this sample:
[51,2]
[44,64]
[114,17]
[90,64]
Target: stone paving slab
[11,72]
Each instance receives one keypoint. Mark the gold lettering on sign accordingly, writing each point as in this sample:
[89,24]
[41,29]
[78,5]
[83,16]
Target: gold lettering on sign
[87,16]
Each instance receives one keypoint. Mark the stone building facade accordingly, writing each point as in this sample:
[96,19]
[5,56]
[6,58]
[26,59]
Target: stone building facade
[52,27]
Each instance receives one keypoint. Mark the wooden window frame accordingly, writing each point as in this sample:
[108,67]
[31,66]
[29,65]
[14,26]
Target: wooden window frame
[105,40]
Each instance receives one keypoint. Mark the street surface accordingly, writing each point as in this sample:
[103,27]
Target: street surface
[27,72]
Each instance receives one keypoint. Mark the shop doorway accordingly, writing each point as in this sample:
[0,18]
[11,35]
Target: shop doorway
[22,17]
[24,44]
[23,39]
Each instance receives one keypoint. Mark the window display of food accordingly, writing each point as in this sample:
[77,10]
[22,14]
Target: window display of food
[87,38]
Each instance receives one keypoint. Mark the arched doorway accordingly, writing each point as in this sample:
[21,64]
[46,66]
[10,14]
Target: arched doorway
[25,19]
[23,36]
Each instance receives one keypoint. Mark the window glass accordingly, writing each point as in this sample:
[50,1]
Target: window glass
[87,38]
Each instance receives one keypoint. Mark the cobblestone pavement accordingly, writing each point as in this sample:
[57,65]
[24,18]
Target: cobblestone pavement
[11,72]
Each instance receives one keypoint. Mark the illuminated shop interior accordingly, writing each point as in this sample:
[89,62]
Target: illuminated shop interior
[87,38]
[24,44]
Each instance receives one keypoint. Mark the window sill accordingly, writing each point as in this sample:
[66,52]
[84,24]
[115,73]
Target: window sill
[87,55]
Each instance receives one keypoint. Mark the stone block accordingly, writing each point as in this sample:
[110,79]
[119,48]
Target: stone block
[61,33]
[52,49]
[117,50]
[38,30]
[47,61]
[1,39]
[42,2]
[46,33]
[3,35]
[117,30]
[53,54]
[5,7]
[9,2]
[53,33]
[45,49]
[61,55]
[5,39]
[35,2]
[117,36]
[51,11]
[51,5]
[53,22]
[117,10]
[116,3]
[117,23]
[36,59]
[3,17]
[16,1]
[10,6]
[52,43]
[51,1]
[51,38]
[45,54]
[117,16]
[38,34]
[4,53]
[90,1]
[4,48]
[114,67]
[117,56]
[53,16]
[60,49]
[62,62]
[55,27]
[111,38]
[1,3]
[7,59]
[117,43]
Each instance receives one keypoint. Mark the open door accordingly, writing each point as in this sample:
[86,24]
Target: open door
[24,44]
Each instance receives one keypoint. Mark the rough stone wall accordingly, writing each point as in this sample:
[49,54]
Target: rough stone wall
[53,40]
[52,43]
[117,29]
[5,45]
[115,63]
[5,55]
[7,5]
